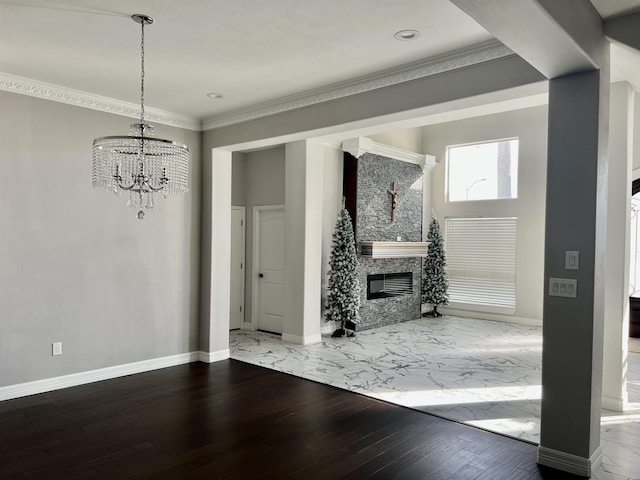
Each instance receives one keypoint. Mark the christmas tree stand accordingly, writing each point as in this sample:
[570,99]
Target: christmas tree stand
[433,313]
[348,329]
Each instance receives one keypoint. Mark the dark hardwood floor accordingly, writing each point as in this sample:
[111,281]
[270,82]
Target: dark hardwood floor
[231,420]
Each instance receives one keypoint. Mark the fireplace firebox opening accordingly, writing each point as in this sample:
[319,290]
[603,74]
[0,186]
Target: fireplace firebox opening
[385,285]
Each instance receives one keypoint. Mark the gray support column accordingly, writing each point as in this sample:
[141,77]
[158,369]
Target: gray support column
[303,242]
[575,221]
[564,40]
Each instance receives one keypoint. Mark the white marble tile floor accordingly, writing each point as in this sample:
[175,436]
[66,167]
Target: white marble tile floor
[478,372]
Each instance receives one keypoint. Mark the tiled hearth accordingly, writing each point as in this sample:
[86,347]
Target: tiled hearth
[478,372]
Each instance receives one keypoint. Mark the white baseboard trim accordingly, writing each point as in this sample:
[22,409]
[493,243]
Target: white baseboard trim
[298,340]
[81,378]
[614,404]
[490,316]
[568,462]
[210,357]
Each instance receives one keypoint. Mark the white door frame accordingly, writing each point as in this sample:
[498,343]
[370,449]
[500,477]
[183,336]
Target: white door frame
[255,262]
[243,211]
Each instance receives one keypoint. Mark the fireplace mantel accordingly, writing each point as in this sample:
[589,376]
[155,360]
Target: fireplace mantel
[393,249]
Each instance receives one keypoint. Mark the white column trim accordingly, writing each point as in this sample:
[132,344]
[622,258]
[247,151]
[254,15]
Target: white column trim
[303,241]
[569,463]
[220,267]
[210,357]
[361,145]
[614,404]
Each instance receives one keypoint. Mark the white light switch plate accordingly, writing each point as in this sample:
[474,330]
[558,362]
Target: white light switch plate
[572,260]
[563,287]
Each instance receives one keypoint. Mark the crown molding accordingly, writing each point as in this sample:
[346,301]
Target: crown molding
[334,144]
[479,53]
[78,98]
[361,145]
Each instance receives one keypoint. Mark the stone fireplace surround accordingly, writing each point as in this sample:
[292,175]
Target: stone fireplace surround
[368,178]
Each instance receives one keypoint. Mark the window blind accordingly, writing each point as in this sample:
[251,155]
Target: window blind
[481,260]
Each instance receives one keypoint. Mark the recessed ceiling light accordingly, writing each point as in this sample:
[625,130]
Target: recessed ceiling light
[215,95]
[406,35]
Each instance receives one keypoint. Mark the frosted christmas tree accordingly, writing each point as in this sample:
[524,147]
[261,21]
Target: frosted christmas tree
[343,299]
[434,274]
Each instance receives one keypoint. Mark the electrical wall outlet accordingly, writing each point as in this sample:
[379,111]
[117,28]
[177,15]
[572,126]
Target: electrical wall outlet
[56,348]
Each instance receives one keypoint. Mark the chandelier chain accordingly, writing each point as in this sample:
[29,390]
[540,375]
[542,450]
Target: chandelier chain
[142,78]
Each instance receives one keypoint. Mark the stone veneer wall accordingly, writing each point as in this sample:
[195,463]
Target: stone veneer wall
[376,175]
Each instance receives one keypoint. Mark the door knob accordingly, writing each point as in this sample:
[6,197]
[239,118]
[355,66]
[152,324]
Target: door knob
[261,275]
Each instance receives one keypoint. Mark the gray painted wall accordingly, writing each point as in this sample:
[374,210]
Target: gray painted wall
[238,179]
[76,265]
[530,125]
[408,139]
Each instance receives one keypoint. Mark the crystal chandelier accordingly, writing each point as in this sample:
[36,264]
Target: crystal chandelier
[139,163]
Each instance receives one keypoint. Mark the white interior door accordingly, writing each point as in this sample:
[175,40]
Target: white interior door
[236,305]
[269,268]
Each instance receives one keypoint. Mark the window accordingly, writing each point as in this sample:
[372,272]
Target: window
[481,261]
[482,171]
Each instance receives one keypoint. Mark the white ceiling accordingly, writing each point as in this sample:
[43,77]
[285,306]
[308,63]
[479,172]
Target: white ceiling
[252,51]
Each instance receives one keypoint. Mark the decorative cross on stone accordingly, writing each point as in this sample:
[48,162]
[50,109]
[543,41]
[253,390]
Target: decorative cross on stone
[394,201]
